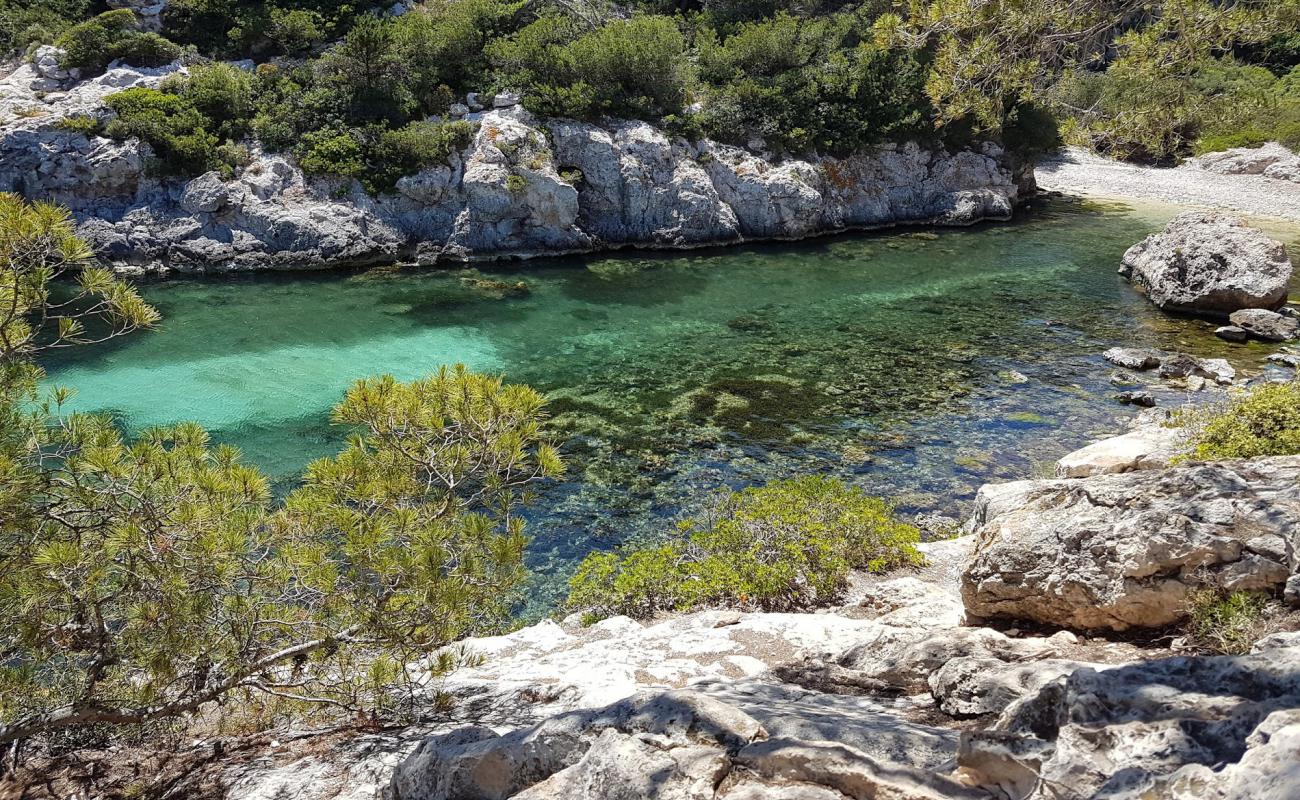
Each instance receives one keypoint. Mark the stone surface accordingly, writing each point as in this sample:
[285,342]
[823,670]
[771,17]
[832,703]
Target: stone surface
[1271,160]
[1139,730]
[1231,333]
[1267,325]
[1123,551]
[1133,357]
[1209,263]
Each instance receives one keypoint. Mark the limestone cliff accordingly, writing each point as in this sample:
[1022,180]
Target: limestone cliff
[524,187]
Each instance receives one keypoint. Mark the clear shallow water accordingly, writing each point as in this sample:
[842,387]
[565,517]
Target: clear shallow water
[887,359]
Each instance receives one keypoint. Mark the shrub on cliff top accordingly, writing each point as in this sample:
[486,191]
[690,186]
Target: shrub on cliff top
[91,45]
[788,545]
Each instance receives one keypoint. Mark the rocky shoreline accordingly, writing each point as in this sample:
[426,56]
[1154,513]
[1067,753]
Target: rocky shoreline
[525,187]
[904,691]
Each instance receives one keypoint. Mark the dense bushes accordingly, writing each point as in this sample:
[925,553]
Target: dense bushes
[1265,422]
[177,132]
[790,544]
[810,84]
[91,45]
[631,68]
[24,22]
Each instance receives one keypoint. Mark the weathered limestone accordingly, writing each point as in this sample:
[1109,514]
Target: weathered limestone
[1149,729]
[1122,551]
[1209,263]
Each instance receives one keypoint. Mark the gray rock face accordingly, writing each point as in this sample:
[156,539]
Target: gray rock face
[1152,729]
[1267,325]
[524,187]
[1122,551]
[1209,263]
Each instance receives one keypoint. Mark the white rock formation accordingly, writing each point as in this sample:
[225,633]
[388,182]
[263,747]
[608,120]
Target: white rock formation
[1271,160]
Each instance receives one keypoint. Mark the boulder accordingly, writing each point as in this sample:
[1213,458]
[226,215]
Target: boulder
[205,194]
[1270,159]
[1147,447]
[1133,357]
[1120,551]
[1267,325]
[1209,263]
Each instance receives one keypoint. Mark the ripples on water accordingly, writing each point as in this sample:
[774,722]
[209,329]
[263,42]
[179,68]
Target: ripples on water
[917,364]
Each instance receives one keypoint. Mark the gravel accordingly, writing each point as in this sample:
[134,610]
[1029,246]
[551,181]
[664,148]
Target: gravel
[1076,171]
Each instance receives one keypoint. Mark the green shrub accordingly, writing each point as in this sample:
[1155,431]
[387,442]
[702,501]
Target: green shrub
[1226,622]
[1265,422]
[790,544]
[172,127]
[222,92]
[27,22]
[331,151]
[631,68]
[810,84]
[296,30]
[414,147]
[91,45]
[84,124]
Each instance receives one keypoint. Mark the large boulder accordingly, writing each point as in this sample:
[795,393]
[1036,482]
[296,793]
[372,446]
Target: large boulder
[1271,160]
[1124,550]
[1209,263]
[1145,447]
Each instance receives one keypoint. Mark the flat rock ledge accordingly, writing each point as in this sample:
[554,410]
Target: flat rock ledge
[524,187]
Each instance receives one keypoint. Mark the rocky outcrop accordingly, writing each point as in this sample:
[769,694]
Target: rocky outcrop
[1122,551]
[1162,728]
[1209,263]
[524,187]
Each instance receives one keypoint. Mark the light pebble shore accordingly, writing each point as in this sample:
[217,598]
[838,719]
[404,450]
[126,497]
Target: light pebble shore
[1076,171]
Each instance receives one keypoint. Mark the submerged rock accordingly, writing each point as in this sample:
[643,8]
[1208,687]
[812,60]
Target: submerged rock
[1209,263]
[1123,551]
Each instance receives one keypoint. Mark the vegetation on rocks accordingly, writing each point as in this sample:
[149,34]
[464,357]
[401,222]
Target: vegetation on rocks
[1264,422]
[1145,79]
[1227,622]
[787,545]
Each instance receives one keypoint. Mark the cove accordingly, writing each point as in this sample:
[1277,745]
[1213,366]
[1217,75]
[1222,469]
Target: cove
[917,364]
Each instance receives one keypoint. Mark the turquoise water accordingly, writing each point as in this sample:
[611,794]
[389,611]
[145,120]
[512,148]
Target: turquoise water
[887,358]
